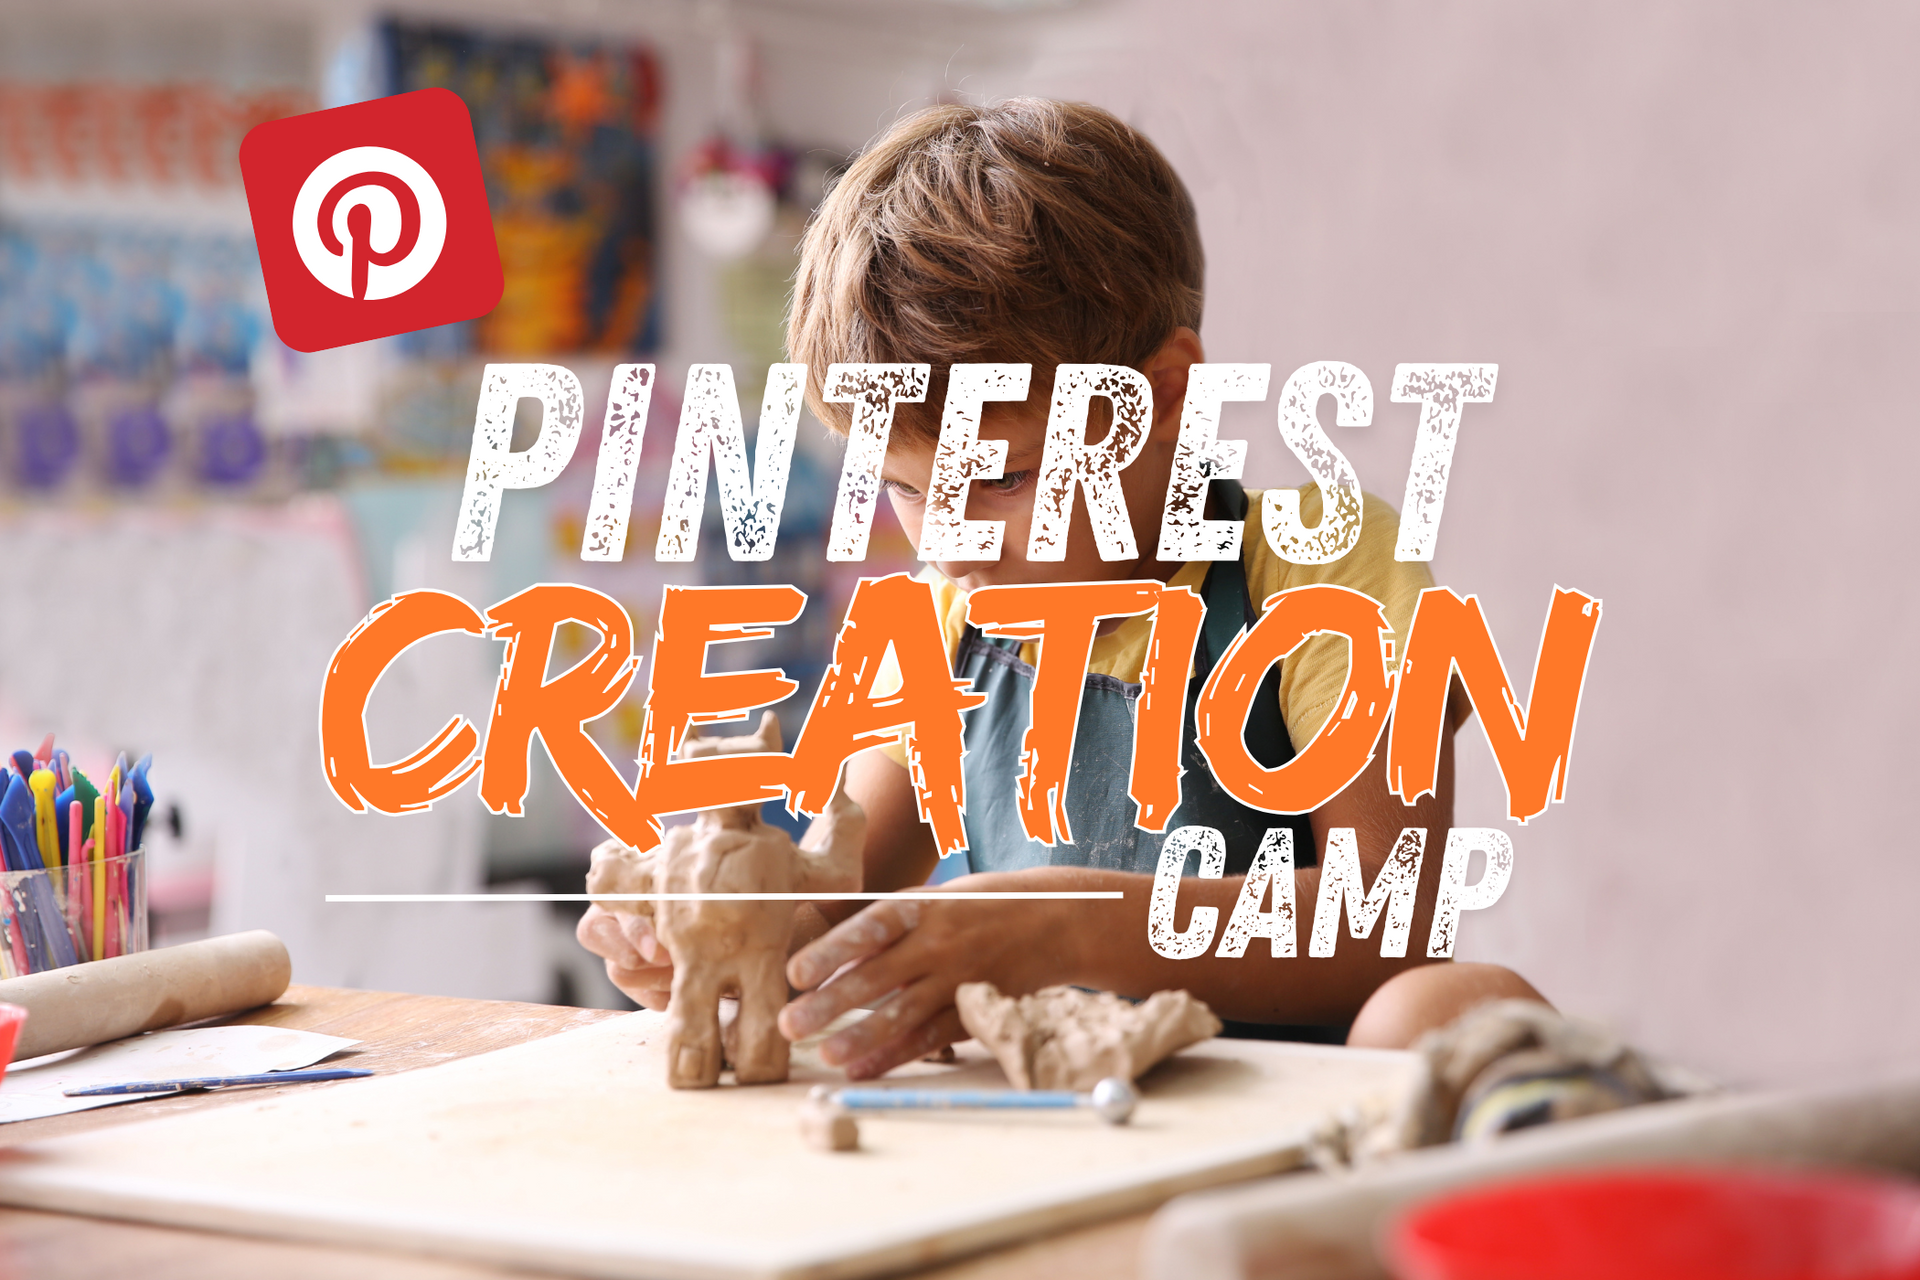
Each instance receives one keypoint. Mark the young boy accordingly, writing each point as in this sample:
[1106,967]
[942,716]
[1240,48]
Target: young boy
[1044,232]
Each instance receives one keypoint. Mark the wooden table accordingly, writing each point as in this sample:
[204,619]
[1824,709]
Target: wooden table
[398,1033]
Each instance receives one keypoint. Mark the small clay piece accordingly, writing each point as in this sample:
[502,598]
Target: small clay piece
[721,948]
[825,1124]
[1066,1038]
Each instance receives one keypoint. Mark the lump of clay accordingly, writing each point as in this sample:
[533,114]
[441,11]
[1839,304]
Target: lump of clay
[1066,1038]
[722,948]
[1501,1066]
[1575,1068]
[826,1125]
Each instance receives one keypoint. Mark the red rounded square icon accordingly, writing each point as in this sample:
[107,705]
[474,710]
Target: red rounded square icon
[371,219]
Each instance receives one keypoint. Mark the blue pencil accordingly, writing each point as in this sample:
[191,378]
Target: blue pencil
[216,1082]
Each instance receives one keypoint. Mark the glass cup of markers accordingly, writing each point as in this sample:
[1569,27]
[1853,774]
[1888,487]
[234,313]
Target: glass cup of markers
[75,885]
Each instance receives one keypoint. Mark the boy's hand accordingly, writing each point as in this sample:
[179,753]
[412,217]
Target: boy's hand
[904,960]
[637,963]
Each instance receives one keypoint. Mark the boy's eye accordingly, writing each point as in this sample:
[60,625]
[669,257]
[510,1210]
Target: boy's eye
[1012,482]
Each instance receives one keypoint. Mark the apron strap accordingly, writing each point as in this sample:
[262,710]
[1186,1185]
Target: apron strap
[1229,606]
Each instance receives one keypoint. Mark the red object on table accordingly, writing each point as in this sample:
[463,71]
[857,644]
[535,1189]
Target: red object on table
[1657,1224]
[12,1018]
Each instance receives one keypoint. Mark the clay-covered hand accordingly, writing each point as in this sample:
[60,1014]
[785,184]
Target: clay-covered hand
[637,961]
[907,958]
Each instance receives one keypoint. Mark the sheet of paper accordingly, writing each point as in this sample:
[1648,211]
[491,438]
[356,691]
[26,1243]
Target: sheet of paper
[33,1089]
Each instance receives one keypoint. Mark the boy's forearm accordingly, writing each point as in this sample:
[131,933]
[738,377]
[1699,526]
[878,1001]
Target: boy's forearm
[1103,944]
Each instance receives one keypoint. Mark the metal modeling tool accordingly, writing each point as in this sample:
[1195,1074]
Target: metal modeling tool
[827,1116]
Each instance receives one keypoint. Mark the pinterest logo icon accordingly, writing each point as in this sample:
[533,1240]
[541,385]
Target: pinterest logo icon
[369,223]
[371,219]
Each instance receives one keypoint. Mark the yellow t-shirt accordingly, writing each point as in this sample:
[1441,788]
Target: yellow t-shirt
[1312,678]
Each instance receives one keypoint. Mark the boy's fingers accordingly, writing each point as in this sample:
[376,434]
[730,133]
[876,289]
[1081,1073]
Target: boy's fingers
[651,987]
[871,931]
[895,1018]
[862,985]
[943,1029]
[612,937]
[600,932]
[639,933]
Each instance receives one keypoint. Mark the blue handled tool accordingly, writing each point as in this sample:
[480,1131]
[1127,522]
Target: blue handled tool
[56,944]
[33,935]
[60,803]
[1112,1099]
[16,816]
[217,1082]
[142,802]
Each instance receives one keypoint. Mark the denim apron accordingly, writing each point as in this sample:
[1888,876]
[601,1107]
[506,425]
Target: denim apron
[1100,814]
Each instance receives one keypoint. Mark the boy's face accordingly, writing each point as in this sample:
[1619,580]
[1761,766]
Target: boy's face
[1143,484]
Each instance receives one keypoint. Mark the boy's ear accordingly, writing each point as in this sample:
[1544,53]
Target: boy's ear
[1166,370]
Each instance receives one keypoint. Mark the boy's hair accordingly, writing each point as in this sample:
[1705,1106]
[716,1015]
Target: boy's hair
[1032,231]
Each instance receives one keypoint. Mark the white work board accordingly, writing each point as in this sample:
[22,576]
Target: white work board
[571,1154]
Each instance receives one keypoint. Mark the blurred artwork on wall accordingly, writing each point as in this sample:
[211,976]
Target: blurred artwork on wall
[567,136]
[130,308]
[135,357]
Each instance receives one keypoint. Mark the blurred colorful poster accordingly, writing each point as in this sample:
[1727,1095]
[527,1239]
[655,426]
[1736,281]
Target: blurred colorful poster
[567,137]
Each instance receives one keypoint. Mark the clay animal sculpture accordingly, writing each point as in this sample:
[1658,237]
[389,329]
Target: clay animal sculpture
[1067,1038]
[731,949]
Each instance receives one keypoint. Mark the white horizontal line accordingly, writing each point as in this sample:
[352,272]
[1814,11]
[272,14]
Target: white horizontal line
[935,894]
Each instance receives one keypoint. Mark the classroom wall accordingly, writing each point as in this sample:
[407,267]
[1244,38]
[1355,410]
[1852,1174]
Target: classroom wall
[202,631]
[1686,233]
[204,637]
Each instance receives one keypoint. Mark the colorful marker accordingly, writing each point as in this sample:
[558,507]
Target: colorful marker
[99,877]
[46,825]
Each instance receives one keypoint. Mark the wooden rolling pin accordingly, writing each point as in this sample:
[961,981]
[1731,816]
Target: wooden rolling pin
[104,1000]
[1320,1227]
